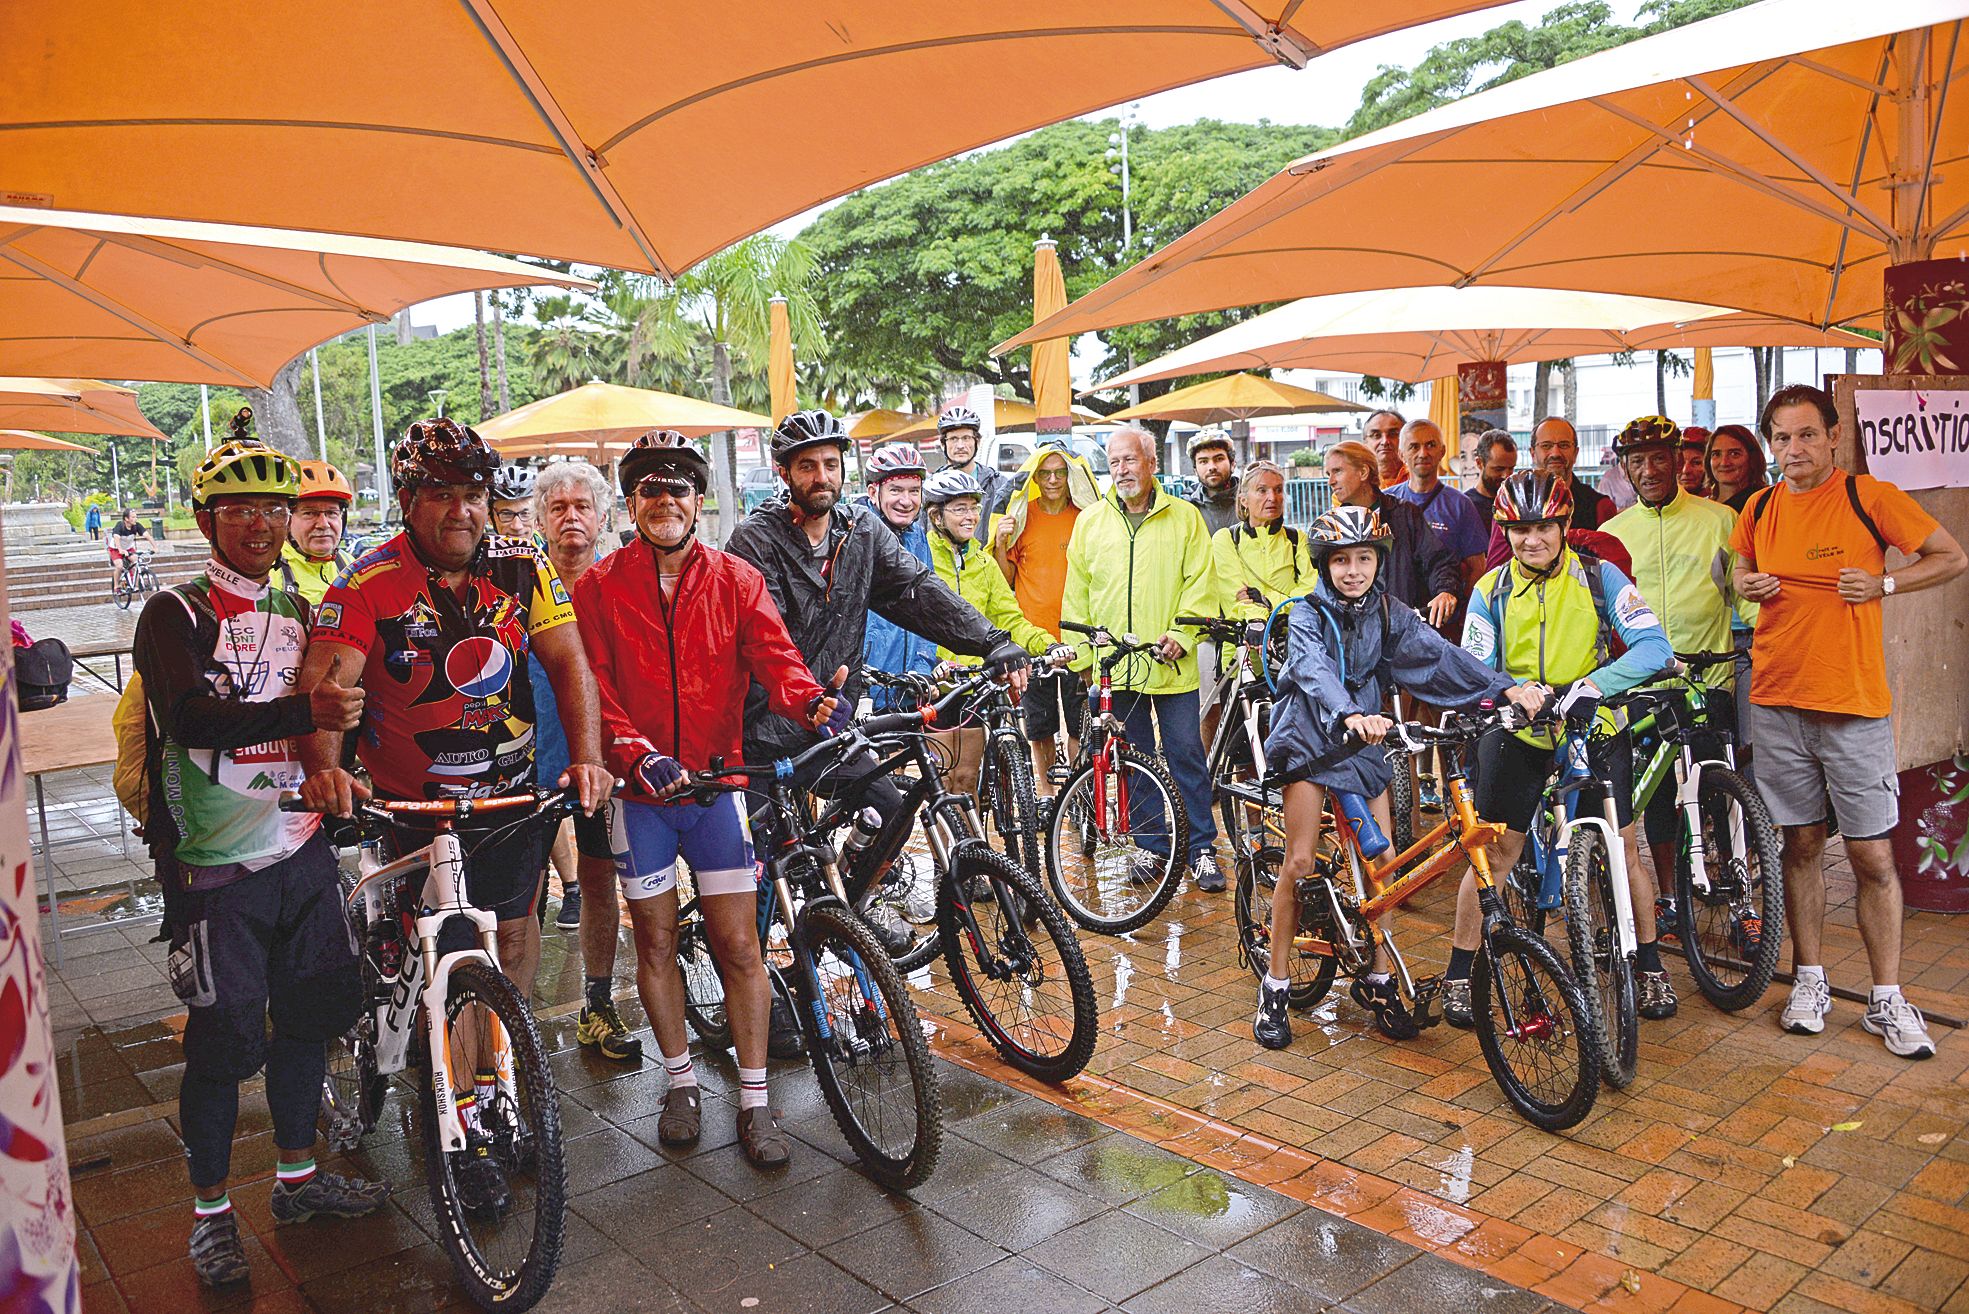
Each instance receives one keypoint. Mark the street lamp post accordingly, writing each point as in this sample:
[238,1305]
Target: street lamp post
[437,396]
[1118,164]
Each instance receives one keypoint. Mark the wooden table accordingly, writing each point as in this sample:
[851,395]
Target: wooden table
[66,737]
[113,648]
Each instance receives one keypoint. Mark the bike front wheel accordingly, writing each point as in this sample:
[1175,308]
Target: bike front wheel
[1012,810]
[704,986]
[1115,852]
[1257,838]
[1531,1025]
[867,1049]
[1732,932]
[1605,974]
[505,1250]
[1023,977]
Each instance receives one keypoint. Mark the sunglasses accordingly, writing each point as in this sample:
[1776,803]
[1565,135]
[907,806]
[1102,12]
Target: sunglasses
[664,485]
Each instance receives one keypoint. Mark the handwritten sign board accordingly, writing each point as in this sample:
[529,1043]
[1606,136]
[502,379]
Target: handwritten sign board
[1914,437]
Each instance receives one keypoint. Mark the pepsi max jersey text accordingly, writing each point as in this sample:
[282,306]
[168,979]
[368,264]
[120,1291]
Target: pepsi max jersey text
[449,711]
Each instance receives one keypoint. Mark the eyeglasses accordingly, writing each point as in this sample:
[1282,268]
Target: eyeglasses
[664,486]
[237,514]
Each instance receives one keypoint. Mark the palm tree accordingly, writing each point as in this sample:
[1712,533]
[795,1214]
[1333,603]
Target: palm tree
[574,345]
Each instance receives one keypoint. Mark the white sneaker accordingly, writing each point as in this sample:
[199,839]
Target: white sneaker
[1901,1025]
[1804,1013]
[919,899]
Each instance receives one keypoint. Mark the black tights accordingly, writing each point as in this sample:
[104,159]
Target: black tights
[208,1110]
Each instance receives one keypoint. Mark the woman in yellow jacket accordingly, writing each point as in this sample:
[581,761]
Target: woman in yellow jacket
[953,505]
[1260,562]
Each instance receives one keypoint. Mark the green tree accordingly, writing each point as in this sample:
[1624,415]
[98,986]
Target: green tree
[1509,51]
[930,269]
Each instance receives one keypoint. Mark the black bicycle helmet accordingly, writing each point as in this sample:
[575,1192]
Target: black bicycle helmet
[804,429]
[1650,431]
[442,451]
[663,451]
[958,417]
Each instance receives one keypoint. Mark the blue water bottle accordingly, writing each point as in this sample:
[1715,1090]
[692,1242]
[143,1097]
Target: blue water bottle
[1366,829]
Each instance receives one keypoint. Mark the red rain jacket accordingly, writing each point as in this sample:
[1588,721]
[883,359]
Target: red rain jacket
[674,672]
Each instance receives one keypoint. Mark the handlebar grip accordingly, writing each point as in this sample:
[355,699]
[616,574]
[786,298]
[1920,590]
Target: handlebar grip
[889,723]
[1078,628]
[291,802]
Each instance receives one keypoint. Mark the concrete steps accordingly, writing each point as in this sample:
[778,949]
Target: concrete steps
[73,574]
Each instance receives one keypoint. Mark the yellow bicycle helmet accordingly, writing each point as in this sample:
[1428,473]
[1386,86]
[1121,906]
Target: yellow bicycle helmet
[244,465]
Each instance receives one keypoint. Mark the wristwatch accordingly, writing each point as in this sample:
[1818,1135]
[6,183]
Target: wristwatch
[1886,586]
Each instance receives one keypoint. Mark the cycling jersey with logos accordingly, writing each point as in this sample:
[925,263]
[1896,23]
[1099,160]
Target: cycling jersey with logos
[219,670]
[449,711]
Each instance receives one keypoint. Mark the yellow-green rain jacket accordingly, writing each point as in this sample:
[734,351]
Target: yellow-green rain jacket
[1137,580]
[1275,561]
[979,581]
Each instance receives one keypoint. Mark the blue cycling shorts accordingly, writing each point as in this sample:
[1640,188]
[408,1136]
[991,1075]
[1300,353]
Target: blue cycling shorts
[648,837]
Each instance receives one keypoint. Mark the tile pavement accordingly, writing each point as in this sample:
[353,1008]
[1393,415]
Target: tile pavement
[1718,1181]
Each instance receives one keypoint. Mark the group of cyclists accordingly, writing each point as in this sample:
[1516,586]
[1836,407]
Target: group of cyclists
[494,642]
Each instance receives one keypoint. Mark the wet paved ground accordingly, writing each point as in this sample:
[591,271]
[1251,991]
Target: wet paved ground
[1032,1207]
[1745,1168]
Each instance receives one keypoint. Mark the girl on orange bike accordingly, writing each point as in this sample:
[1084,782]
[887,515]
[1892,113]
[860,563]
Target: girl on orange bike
[1347,647]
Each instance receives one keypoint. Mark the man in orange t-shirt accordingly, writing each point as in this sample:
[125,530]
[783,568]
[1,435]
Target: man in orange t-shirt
[1812,553]
[1030,543]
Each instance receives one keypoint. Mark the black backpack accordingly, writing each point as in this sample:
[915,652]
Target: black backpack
[41,674]
[1763,499]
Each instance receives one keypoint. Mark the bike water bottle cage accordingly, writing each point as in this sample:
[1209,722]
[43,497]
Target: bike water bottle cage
[1367,831]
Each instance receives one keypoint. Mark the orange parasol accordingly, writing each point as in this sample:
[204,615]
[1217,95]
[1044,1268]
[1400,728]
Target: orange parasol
[1773,159]
[539,126]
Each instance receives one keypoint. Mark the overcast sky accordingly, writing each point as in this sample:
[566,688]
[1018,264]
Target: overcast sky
[1327,91]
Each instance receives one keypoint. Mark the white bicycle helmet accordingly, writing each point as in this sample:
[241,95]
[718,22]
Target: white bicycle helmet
[946,484]
[512,483]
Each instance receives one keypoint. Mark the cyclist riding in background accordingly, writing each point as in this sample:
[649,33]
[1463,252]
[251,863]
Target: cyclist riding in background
[677,631]
[953,505]
[312,556]
[253,902]
[439,620]
[1549,616]
[894,476]
[1347,647]
[827,565]
[512,502]
[125,534]
[1679,543]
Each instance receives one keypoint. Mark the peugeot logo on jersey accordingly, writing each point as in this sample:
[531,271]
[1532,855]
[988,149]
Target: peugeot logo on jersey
[478,667]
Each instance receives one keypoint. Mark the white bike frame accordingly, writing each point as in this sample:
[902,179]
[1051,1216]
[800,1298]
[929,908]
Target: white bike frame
[1608,824]
[1688,785]
[424,979]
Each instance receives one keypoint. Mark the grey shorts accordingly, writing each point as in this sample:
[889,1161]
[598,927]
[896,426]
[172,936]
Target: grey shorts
[1807,759]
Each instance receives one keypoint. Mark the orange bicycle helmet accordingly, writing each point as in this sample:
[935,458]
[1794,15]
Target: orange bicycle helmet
[320,479]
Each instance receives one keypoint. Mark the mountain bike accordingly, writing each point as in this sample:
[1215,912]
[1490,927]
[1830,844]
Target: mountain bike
[429,1008]
[1729,883]
[1530,1017]
[135,580]
[1118,840]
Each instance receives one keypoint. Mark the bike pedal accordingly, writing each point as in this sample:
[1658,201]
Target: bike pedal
[1424,1013]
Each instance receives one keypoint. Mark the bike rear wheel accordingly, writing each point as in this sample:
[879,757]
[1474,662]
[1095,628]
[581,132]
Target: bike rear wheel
[1011,813]
[1605,974]
[1732,934]
[1026,986]
[1116,850]
[1531,1025]
[867,1049]
[505,1260]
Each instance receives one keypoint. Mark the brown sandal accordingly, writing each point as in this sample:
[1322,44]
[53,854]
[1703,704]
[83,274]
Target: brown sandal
[764,1144]
[682,1117]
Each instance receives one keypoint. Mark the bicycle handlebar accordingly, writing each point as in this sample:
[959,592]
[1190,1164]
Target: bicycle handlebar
[389,810]
[1124,645]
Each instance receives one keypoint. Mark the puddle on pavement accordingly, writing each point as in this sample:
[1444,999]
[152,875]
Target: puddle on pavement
[1456,1175]
[1124,974]
[1203,1195]
[1172,952]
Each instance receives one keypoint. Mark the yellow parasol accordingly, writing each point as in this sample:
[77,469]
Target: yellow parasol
[537,125]
[1052,377]
[1773,158]
[1237,397]
[207,303]
[880,423]
[598,419]
[1009,415]
[779,362]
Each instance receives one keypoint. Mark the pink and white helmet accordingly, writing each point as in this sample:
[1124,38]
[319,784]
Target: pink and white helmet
[895,459]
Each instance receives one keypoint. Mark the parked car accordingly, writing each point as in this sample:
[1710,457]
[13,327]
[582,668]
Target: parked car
[756,485]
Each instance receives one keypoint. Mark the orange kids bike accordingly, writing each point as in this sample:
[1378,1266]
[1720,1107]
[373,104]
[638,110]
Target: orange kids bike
[1529,1013]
